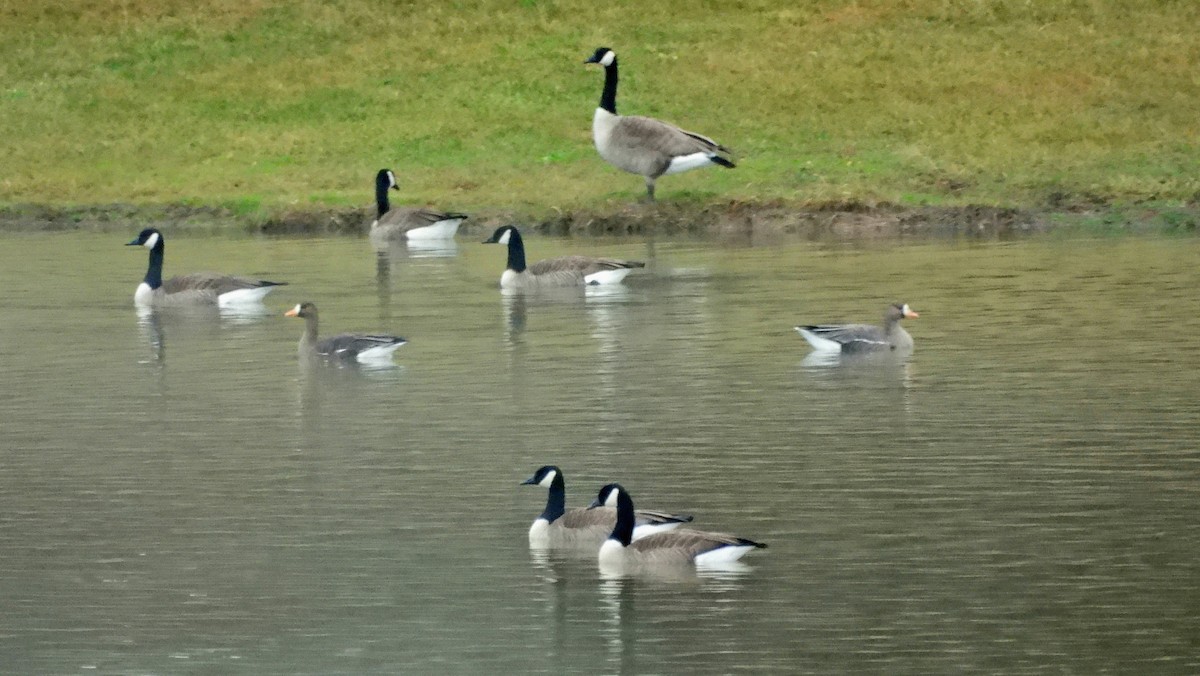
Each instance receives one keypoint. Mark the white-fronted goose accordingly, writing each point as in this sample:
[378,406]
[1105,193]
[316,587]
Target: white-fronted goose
[863,337]
[199,288]
[565,271]
[644,145]
[411,223]
[358,347]
[578,528]
[674,548]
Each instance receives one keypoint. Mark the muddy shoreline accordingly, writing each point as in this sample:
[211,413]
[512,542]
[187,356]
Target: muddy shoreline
[752,223]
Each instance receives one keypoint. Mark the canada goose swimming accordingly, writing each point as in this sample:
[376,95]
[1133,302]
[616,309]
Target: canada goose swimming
[578,528]
[848,338]
[194,289]
[565,271]
[644,145]
[347,346]
[411,223]
[681,547]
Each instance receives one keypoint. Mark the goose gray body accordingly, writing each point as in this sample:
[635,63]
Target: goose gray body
[349,347]
[555,272]
[643,145]
[408,222]
[681,547]
[560,528]
[198,288]
[855,338]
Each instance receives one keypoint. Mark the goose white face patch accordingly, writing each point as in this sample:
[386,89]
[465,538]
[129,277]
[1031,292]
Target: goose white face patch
[608,58]
[152,241]
[392,180]
[548,479]
[505,237]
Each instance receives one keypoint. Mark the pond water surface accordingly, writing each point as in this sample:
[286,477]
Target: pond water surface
[179,495]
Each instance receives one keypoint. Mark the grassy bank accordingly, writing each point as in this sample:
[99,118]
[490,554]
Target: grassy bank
[253,105]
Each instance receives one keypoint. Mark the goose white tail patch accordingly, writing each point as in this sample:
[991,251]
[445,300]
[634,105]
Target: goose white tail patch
[723,555]
[441,230]
[606,276]
[684,163]
[819,343]
[244,296]
[377,354]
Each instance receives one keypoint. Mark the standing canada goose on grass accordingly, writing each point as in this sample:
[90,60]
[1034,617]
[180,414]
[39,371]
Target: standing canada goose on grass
[579,528]
[680,547]
[857,338]
[358,347]
[644,145]
[410,223]
[565,271]
[200,288]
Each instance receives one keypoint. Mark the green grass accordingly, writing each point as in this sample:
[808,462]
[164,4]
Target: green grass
[266,105]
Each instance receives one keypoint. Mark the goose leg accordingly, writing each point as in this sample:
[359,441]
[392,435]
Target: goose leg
[650,188]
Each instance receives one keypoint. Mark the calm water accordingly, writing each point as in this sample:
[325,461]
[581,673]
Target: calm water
[177,495]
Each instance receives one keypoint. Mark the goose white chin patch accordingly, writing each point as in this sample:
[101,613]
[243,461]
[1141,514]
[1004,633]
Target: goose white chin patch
[152,241]
[548,479]
[505,237]
[392,180]
[608,58]
[611,500]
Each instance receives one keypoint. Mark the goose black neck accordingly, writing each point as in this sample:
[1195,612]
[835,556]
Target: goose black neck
[381,200]
[153,277]
[556,503]
[309,338]
[608,100]
[516,251]
[623,531]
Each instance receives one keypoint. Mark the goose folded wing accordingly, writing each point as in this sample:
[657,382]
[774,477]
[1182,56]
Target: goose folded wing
[581,265]
[213,282]
[350,344]
[410,217]
[649,133]
[587,518]
[851,336]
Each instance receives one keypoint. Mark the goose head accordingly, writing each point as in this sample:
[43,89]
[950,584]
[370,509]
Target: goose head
[502,235]
[898,311]
[305,310]
[386,179]
[603,56]
[149,238]
[607,497]
[544,477]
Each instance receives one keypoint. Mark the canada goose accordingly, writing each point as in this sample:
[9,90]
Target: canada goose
[347,346]
[578,528]
[644,145]
[565,271]
[409,222]
[863,337]
[679,547]
[194,289]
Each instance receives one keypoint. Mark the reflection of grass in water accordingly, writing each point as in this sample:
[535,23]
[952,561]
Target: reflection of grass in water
[488,105]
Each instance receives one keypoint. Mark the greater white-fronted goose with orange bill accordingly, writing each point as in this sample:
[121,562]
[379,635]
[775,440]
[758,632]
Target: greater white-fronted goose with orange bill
[198,288]
[555,272]
[853,338]
[683,547]
[579,528]
[350,347]
[411,223]
[644,145]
